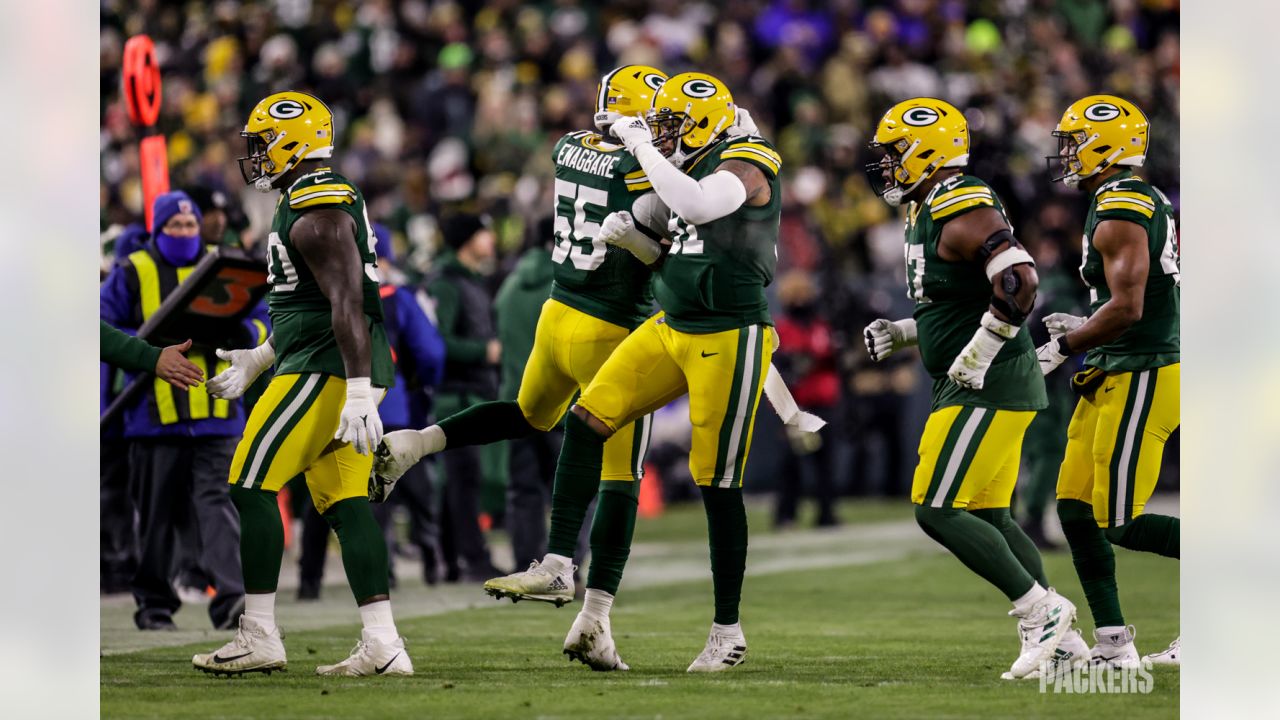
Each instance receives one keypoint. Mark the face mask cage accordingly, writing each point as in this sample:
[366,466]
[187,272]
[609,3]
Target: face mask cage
[668,127]
[1066,164]
[256,164]
[891,161]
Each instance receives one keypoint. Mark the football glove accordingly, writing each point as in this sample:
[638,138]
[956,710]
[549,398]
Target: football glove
[971,365]
[886,337]
[632,132]
[1052,354]
[360,423]
[743,125]
[1062,323]
[619,228]
[246,366]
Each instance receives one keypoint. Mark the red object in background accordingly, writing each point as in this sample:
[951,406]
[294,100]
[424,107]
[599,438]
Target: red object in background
[141,91]
[650,493]
[820,386]
[286,517]
[155,171]
[141,78]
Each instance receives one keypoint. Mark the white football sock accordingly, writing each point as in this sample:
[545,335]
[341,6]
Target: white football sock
[378,622]
[1118,631]
[1022,605]
[597,604]
[556,564]
[261,608]
[734,629]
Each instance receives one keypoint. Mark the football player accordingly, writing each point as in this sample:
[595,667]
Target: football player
[1129,389]
[973,285]
[713,341]
[599,296]
[319,414]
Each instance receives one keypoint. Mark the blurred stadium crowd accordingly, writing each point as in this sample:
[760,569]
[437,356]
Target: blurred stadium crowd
[442,104]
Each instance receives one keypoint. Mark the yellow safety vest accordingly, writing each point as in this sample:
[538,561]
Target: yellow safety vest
[155,281]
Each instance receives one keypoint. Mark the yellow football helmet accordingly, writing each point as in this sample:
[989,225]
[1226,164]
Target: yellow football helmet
[283,130]
[626,91]
[690,112]
[919,136]
[1095,133]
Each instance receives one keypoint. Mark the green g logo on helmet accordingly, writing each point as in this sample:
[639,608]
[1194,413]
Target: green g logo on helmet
[920,116]
[699,88]
[1101,112]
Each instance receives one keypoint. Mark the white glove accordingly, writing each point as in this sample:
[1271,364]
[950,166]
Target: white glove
[619,228]
[1051,354]
[632,132]
[742,125]
[360,423]
[886,337]
[971,365]
[1062,323]
[246,366]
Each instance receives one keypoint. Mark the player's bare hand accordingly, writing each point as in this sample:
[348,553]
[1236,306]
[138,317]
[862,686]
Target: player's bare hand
[174,368]
[493,352]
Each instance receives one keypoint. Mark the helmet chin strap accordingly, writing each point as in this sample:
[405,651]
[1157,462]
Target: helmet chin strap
[266,183]
[1073,181]
[897,193]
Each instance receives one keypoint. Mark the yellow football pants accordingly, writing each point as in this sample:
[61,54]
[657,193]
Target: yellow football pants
[568,349]
[723,374]
[969,457]
[1116,441]
[290,431]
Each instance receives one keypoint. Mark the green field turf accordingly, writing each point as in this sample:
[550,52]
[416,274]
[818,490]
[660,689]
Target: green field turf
[909,637]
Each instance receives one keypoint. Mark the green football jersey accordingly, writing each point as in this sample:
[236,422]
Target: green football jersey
[715,275]
[301,317]
[593,179]
[951,298]
[1153,341]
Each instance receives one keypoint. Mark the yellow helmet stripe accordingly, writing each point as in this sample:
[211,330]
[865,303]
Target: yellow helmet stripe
[956,206]
[1145,210]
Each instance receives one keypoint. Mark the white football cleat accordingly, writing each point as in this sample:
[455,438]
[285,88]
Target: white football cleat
[395,455]
[590,642]
[1042,630]
[372,656]
[1073,651]
[1169,656]
[536,583]
[253,649]
[1115,649]
[726,647]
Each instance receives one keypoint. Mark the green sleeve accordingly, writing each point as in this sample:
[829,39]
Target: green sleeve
[456,349]
[125,351]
